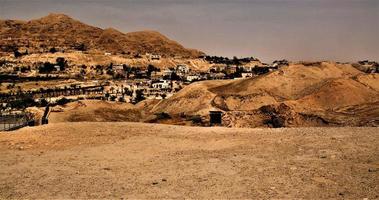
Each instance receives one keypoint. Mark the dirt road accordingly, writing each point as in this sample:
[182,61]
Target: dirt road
[135,160]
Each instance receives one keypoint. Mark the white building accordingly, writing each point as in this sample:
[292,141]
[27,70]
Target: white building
[247,75]
[182,69]
[167,72]
[192,78]
[162,84]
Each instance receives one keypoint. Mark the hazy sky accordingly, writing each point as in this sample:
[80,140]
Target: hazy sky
[341,30]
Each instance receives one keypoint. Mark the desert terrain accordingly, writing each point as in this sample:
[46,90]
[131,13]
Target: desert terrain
[103,114]
[136,160]
[324,94]
[301,94]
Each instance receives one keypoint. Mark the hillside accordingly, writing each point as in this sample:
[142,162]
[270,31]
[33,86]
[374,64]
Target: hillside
[296,95]
[95,111]
[152,161]
[92,59]
[64,33]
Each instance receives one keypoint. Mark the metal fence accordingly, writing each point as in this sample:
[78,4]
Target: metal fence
[12,121]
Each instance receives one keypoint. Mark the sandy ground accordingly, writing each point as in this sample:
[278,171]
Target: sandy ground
[135,160]
[95,111]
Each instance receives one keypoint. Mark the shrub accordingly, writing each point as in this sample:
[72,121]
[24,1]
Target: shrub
[121,99]
[23,102]
[63,101]
[113,98]
[139,96]
[162,115]
[268,109]
[196,119]
[278,122]
[53,50]
[43,103]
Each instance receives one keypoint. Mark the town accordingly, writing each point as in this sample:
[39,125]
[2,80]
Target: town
[122,83]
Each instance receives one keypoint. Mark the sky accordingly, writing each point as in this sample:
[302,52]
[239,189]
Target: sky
[312,30]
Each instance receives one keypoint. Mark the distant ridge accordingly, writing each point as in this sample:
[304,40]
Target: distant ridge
[63,32]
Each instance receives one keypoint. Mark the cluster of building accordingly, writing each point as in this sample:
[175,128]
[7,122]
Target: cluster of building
[153,83]
[133,84]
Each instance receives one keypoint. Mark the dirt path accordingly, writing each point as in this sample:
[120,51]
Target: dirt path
[135,160]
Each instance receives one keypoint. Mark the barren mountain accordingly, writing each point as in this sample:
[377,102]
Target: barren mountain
[64,33]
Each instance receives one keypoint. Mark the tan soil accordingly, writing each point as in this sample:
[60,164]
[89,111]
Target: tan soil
[314,92]
[95,111]
[145,161]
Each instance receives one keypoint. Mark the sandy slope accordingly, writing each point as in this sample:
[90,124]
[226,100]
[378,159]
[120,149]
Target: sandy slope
[113,160]
[310,91]
[95,111]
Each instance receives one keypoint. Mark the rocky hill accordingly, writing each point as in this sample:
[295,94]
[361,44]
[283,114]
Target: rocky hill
[64,33]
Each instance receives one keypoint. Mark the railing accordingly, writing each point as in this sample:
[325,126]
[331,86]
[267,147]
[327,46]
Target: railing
[12,121]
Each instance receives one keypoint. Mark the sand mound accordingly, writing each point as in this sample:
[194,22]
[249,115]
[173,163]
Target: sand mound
[339,93]
[193,99]
[290,82]
[369,80]
[95,111]
[312,91]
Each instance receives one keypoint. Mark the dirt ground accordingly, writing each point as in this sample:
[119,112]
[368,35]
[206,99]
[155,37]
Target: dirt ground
[136,160]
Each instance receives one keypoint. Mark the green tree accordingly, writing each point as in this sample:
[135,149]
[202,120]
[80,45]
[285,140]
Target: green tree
[139,96]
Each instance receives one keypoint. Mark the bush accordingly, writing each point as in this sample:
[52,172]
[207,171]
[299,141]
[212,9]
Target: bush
[63,101]
[43,103]
[270,110]
[121,99]
[46,68]
[23,102]
[278,122]
[139,96]
[113,98]
[196,119]
[53,50]
[162,115]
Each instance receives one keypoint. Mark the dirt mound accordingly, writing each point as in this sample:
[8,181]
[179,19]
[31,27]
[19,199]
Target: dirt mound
[339,93]
[193,99]
[312,92]
[95,111]
[369,80]
[289,82]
